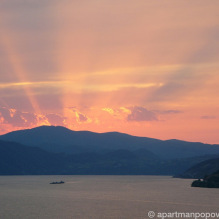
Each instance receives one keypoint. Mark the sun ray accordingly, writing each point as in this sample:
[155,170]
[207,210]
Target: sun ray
[66,62]
[17,65]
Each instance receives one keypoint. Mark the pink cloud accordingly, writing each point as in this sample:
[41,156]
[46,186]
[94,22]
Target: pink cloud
[208,117]
[139,113]
[17,118]
[82,118]
[168,111]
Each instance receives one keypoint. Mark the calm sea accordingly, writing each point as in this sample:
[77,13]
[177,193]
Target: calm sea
[99,197]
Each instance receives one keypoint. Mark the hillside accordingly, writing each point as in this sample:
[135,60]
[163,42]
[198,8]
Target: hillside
[200,170]
[60,139]
[17,159]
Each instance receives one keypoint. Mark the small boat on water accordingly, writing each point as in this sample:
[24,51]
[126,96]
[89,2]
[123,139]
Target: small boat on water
[61,182]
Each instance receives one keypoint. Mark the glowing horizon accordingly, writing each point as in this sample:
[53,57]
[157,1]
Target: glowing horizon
[143,68]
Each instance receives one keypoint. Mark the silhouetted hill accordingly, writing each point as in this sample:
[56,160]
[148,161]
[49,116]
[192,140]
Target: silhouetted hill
[200,170]
[17,159]
[60,139]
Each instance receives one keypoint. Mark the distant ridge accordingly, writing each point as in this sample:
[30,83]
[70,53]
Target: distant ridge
[61,139]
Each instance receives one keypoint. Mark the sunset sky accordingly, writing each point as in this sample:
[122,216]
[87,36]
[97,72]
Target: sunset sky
[146,68]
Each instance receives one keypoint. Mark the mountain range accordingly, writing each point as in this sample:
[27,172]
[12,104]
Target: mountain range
[60,139]
[58,150]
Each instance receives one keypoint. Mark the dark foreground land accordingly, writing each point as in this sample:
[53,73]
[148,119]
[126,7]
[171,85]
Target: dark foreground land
[211,181]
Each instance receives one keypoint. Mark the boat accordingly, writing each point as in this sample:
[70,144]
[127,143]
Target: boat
[61,182]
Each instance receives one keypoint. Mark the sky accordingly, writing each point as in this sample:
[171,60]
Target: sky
[146,68]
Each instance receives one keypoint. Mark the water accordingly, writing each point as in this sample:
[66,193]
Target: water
[101,197]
